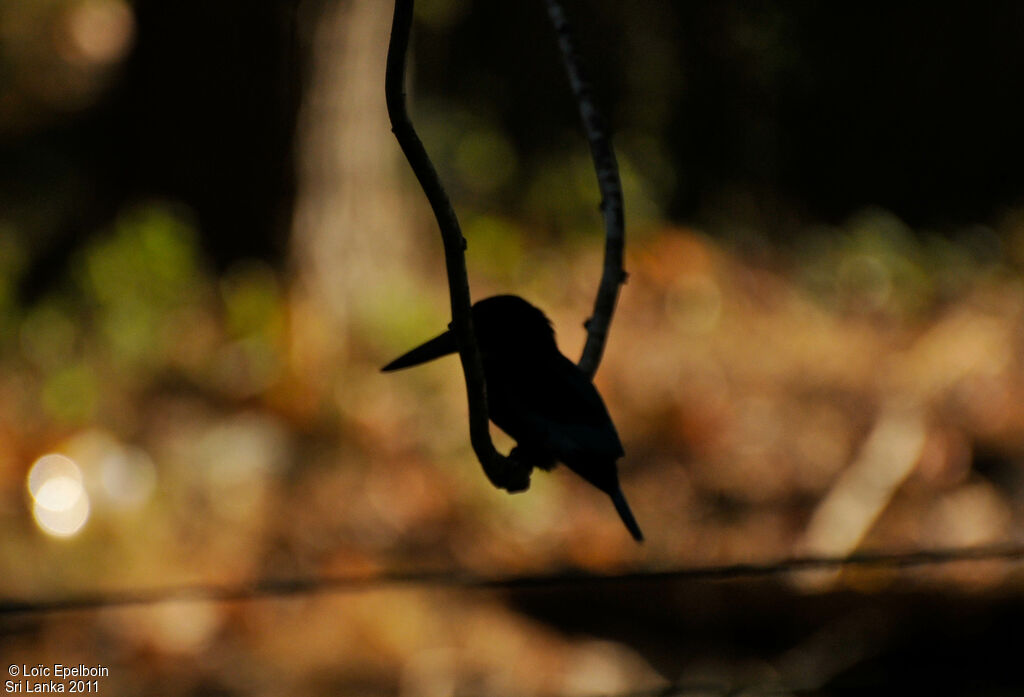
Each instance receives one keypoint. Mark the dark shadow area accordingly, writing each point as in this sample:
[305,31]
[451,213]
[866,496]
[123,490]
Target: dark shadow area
[766,635]
[202,113]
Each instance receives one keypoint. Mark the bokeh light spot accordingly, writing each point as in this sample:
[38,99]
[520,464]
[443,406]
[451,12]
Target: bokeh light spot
[60,503]
[128,476]
[99,31]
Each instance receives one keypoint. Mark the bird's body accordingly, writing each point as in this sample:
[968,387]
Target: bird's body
[538,396]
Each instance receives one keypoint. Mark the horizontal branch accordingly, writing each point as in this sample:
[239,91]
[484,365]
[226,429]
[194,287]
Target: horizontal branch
[268,588]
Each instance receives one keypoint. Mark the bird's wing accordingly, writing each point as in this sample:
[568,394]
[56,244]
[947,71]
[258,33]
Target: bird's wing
[572,416]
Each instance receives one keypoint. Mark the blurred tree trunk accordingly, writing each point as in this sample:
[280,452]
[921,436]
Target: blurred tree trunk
[351,231]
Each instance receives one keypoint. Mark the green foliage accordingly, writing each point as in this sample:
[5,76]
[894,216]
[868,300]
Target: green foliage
[398,314]
[49,334]
[440,14]
[495,245]
[117,318]
[485,161]
[138,278]
[875,263]
[253,303]
[563,192]
[71,393]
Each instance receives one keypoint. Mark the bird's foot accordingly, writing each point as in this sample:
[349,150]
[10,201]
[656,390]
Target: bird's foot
[508,473]
[517,476]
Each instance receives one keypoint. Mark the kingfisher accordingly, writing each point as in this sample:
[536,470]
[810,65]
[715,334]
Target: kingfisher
[537,396]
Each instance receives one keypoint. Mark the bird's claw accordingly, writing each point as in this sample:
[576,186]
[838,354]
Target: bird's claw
[517,476]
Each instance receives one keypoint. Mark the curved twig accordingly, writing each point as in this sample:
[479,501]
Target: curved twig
[503,472]
[607,169]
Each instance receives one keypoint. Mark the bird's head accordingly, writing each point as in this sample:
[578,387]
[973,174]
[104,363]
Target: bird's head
[505,325]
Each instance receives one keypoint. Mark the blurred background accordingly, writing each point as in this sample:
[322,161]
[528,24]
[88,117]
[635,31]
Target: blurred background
[210,243]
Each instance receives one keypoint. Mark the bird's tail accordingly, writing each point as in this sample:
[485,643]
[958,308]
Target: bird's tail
[619,499]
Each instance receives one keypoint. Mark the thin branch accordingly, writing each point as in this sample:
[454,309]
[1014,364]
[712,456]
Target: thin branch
[607,169]
[503,472]
[271,588]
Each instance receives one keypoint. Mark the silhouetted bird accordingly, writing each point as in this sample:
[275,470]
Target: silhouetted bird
[538,396]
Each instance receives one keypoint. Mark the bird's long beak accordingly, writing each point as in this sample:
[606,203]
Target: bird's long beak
[435,348]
